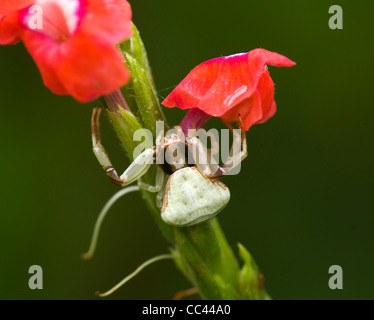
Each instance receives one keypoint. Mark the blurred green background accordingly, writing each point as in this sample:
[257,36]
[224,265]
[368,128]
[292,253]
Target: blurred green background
[302,202]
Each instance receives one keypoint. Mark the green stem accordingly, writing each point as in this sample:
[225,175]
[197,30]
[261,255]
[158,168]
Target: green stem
[204,256]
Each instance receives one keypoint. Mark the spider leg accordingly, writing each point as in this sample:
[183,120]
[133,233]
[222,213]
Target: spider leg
[200,155]
[212,151]
[207,165]
[160,194]
[136,169]
[236,156]
[99,221]
[159,182]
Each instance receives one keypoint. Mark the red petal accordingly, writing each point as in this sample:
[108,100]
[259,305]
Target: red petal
[79,67]
[231,87]
[252,103]
[55,23]
[89,70]
[272,111]
[258,108]
[9,28]
[265,89]
[258,58]
[193,88]
[221,84]
[107,20]
[13,5]
[238,79]
[46,54]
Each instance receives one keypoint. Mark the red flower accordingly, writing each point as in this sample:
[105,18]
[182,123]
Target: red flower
[9,26]
[75,48]
[228,86]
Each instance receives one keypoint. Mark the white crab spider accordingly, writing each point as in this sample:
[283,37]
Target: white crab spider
[191,194]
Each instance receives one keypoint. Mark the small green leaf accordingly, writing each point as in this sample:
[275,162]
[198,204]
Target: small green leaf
[140,89]
[250,280]
[140,92]
[135,47]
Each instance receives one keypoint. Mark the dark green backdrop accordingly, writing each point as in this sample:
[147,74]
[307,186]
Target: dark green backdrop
[304,198]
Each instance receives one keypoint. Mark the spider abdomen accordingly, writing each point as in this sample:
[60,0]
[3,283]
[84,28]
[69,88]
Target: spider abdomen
[191,198]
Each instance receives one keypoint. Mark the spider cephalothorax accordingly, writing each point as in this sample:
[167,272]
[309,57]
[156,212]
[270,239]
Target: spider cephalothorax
[187,193]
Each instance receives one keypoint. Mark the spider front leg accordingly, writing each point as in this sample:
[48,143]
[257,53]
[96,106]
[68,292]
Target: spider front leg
[208,166]
[235,157]
[212,151]
[134,172]
[160,176]
[136,169]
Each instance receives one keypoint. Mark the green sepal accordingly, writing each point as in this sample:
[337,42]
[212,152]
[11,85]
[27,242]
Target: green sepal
[250,279]
[125,125]
[135,47]
[140,89]
[140,92]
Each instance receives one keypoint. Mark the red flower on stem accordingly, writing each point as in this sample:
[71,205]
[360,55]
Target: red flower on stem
[227,86]
[74,44]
